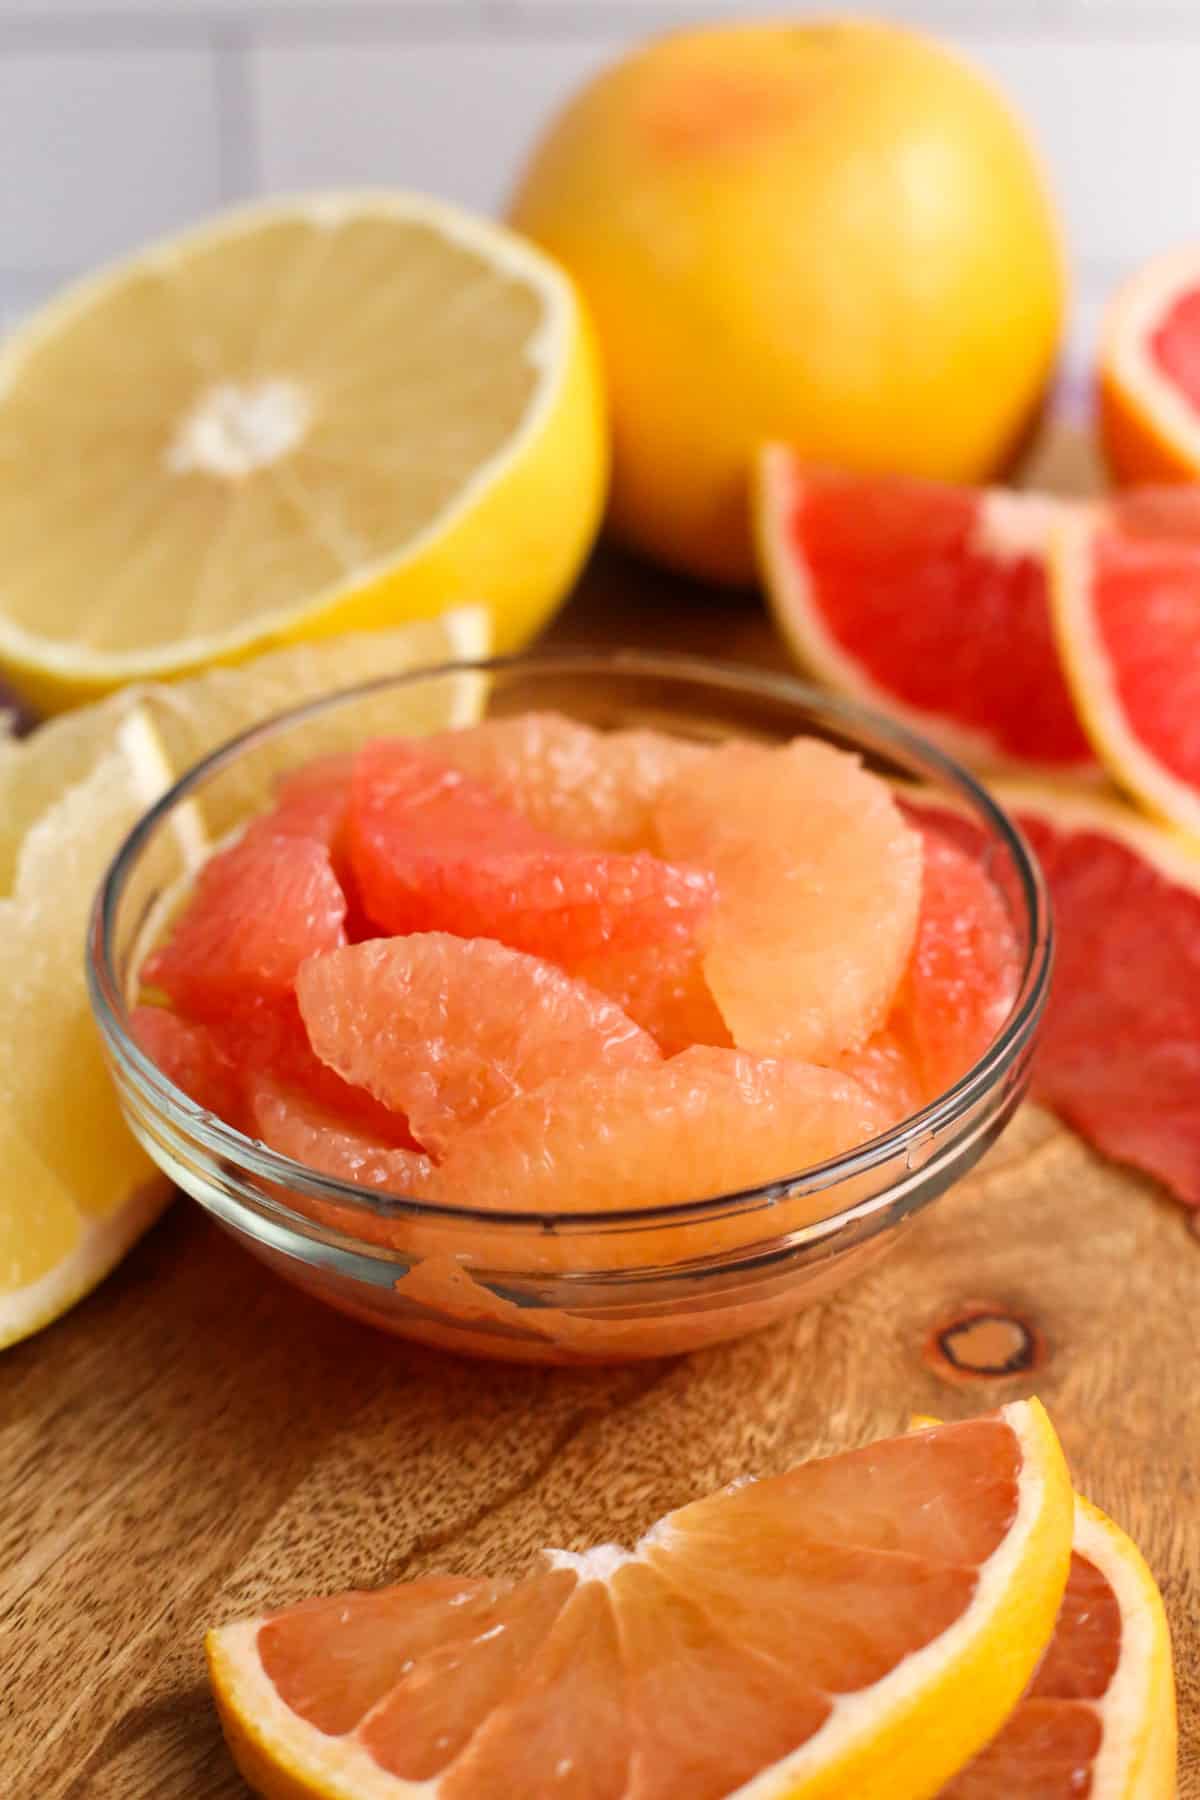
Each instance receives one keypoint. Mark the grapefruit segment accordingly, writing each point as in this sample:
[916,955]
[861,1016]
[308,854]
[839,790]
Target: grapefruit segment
[706,1122]
[816,1632]
[664,989]
[1127,612]
[1149,372]
[928,602]
[227,943]
[444,1029]
[590,787]
[435,850]
[819,881]
[191,1056]
[292,1122]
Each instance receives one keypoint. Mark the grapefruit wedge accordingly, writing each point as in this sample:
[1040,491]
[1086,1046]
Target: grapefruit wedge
[1127,612]
[859,1626]
[1149,372]
[925,601]
[1099,1716]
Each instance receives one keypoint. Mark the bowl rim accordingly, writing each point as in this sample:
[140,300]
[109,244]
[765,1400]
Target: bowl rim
[222,1140]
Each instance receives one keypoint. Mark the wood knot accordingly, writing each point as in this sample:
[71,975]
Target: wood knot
[982,1342]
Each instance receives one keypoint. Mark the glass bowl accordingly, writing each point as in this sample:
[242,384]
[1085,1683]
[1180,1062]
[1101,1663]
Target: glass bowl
[561,1287]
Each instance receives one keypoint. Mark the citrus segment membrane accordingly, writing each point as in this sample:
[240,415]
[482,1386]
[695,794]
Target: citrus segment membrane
[434,850]
[927,601]
[818,881]
[857,1625]
[445,1029]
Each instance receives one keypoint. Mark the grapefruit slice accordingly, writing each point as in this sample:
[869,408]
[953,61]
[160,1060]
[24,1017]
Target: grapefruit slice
[1127,611]
[927,602]
[444,1029]
[1099,1716]
[1149,372]
[291,1122]
[590,787]
[230,943]
[1119,1054]
[192,1056]
[819,886]
[664,990]
[858,1626]
[433,849]
[244,429]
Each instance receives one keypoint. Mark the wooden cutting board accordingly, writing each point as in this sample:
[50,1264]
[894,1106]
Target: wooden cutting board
[197,1441]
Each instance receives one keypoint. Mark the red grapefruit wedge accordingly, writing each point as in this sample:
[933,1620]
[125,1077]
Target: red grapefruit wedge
[1127,611]
[927,602]
[1149,372]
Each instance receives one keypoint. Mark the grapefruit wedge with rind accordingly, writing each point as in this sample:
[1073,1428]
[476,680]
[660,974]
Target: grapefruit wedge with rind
[242,428]
[78,1189]
[1099,1717]
[927,602]
[857,1627]
[818,891]
[1148,369]
[444,1029]
[1127,613]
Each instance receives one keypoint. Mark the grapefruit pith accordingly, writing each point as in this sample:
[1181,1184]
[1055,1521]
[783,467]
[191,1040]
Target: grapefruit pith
[928,602]
[444,1029]
[857,1626]
[1126,592]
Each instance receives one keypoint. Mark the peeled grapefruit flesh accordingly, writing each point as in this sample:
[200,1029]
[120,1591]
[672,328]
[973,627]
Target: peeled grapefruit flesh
[291,1122]
[1127,611]
[928,602]
[819,885]
[590,787]
[444,1029]
[1149,372]
[860,1625]
[229,942]
[434,850]
[191,1056]
[664,989]
[706,1122]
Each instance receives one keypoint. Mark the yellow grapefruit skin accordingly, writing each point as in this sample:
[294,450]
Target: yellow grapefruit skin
[834,234]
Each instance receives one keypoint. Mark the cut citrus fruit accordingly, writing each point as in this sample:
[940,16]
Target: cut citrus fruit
[819,885]
[1120,1046]
[432,849]
[297,1126]
[591,787]
[444,1028]
[706,1122]
[244,431]
[1149,372]
[1127,611]
[192,717]
[192,1056]
[228,944]
[78,1188]
[859,1626]
[925,601]
[1099,1716]
[664,989]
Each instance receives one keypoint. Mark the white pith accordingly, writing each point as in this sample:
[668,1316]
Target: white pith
[341,1770]
[235,428]
[1133,313]
[1090,674]
[1002,530]
[547,351]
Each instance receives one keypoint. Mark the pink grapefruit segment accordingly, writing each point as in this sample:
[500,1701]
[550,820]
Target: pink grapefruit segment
[664,989]
[444,1029]
[435,850]
[290,1121]
[589,787]
[190,1055]
[819,883]
[258,910]
[929,602]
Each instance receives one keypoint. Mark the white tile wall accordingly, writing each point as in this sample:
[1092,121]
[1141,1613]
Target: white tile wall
[120,118]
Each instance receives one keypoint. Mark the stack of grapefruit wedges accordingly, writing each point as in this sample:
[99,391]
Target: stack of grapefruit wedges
[1053,644]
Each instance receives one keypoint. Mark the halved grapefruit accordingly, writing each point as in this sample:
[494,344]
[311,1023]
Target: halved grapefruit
[1126,587]
[1149,372]
[858,1626]
[928,602]
[1119,1057]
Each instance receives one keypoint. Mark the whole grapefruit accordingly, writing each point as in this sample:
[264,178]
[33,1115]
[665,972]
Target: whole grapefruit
[835,234]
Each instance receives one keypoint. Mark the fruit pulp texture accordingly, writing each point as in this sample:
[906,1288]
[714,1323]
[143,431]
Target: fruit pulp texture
[562,992]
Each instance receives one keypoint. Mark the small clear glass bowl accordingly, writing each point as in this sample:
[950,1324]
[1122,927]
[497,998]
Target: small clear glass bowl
[560,1287]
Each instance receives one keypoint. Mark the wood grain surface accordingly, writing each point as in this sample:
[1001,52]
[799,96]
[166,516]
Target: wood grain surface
[196,1440]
